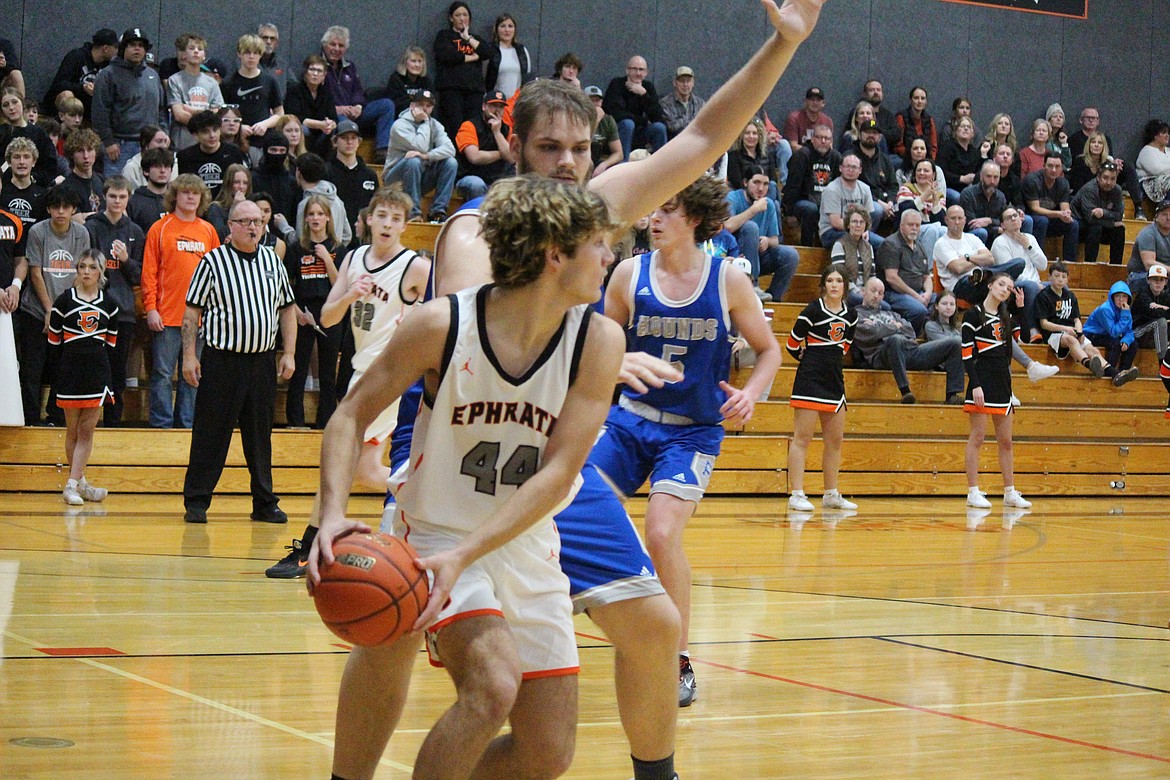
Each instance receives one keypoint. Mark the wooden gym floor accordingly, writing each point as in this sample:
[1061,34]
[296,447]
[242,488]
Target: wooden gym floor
[909,640]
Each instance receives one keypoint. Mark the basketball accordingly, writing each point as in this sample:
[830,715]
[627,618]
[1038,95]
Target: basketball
[372,593]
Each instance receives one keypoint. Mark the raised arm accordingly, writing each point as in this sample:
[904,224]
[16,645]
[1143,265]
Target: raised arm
[632,191]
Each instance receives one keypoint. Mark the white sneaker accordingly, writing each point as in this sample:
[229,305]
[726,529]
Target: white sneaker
[1015,401]
[976,499]
[1012,498]
[70,494]
[798,502]
[1038,372]
[91,493]
[834,500]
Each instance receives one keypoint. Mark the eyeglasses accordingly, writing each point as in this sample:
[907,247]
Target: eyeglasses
[248,222]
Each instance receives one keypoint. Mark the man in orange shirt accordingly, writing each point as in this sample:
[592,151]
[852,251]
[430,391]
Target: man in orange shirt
[482,146]
[174,246]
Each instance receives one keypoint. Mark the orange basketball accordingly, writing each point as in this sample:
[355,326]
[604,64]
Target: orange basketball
[372,593]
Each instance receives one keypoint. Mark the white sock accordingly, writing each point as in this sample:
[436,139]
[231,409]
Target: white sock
[72,483]
[973,490]
[1008,488]
[798,493]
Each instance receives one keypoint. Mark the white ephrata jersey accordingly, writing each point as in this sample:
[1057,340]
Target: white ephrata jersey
[375,317]
[484,433]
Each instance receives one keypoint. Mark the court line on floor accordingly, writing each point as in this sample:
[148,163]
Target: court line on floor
[227,708]
[933,711]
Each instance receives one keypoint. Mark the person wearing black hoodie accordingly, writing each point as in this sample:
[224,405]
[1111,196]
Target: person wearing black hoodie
[355,181]
[809,171]
[146,204]
[274,176]
[459,58]
[122,242]
[127,96]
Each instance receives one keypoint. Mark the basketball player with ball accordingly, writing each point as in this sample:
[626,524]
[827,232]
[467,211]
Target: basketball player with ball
[518,377]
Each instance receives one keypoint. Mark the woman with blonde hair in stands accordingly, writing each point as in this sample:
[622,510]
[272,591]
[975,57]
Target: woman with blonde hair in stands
[1000,131]
[862,112]
[1085,166]
[751,148]
[294,133]
[237,186]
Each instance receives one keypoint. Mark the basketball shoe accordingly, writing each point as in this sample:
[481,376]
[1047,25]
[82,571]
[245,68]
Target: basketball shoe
[687,689]
[291,566]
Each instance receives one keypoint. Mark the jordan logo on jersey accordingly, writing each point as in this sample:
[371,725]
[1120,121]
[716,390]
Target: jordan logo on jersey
[498,412]
[467,367]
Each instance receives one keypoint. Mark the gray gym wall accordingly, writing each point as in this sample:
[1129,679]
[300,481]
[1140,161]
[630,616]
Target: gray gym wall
[1003,60]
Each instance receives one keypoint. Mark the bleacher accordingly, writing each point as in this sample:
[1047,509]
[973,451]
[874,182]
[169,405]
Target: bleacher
[1074,434]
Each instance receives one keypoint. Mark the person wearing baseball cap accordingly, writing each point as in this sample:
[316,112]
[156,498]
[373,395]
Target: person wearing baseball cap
[78,69]
[355,181]
[1151,305]
[483,152]
[798,127]
[127,96]
[1152,244]
[422,157]
[1098,205]
[680,107]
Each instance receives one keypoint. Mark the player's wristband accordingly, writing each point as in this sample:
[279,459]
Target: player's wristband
[18,283]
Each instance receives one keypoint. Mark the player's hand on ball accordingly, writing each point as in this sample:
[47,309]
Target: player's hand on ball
[321,553]
[445,568]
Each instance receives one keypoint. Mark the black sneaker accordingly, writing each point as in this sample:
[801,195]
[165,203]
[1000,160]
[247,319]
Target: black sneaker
[291,566]
[1126,376]
[978,276]
[275,515]
[687,689]
[195,515]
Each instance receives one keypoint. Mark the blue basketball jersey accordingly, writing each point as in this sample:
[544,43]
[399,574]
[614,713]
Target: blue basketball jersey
[694,335]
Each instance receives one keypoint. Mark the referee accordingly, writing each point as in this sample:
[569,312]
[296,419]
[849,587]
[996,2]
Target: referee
[242,291]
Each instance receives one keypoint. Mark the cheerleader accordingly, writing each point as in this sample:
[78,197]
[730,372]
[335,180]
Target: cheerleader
[84,326]
[1164,372]
[987,357]
[819,339]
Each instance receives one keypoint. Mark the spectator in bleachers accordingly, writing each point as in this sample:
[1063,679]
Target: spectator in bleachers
[878,173]
[422,157]
[409,76]
[115,236]
[606,147]
[355,181]
[798,127]
[905,174]
[146,203]
[251,90]
[1151,246]
[13,273]
[681,106]
[312,102]
[210,157]
[82,329]
[873,94]
[310,176]
[983,203]
[484,156]
[750,150]
[809,172]
[20,194]
[312,270]
[779,149]
[1151,307]
[960,160]
[52,249]
[1153,162]
[268,238]
[293,131]
[1099,208]
[1090,121]
[960,107]
[853,254]
[945,320]
[863,112]
[1086,164]
[905,262]
[1057,135]
[886,340]
[925,196]
[1058,316]
[82,149]
[128,95]
[1000,131]
[915,122]
[79,68]
[843,191]
[16,126]
[1110,328]
[231,128]
[568,69]
[237,186]
[1013,244]
[510,65]
[459,59]
[270,61]
[755,222]
[341,77]
[273,174]
[151,137]
[633,103]
[1032,156]
[1048,198]
[190,90]
[958,254]
[71,115]
[52,128]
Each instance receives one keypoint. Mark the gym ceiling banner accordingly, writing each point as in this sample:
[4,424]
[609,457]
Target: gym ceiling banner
[1077,9]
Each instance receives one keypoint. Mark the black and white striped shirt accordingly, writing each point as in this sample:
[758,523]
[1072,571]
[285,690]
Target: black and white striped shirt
[241,296]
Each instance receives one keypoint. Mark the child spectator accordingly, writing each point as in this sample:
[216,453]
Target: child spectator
[190,90]
[274,242]
[310,175]
[1151,304]
[1058,315]
[83,327]
[944,322]
[1110,327]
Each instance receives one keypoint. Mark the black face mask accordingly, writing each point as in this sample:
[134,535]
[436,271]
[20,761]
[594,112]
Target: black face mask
[273,162]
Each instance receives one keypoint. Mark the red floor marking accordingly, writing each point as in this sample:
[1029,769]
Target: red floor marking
[930,711]
[343,647]
[74,651]
[590,636]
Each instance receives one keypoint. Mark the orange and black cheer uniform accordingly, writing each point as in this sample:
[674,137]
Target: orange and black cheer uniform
[987,357]
[820,339]
[86,332]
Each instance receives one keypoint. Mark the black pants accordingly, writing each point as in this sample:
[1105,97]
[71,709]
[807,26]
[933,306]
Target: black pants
[235,388]
[38,366]
[1113,235]
[1111,347]
[112,416]
[457,106]
[328,345]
